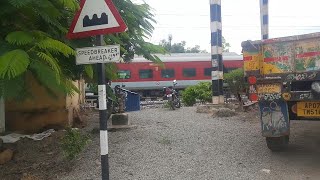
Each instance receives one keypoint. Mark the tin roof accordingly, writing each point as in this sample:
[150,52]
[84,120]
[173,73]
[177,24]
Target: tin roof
[282,39]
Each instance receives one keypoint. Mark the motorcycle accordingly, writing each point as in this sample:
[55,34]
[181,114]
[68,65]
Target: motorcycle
[172,96]
[116,100]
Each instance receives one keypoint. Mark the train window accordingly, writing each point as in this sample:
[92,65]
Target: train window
[207,71]
[124,74]
[145,73]
[189,72]
[167,73]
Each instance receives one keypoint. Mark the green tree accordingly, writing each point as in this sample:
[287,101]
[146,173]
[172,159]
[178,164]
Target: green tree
[180,47]
[225,45]
[235,80]
[195,49]
[33,43]
[173,48]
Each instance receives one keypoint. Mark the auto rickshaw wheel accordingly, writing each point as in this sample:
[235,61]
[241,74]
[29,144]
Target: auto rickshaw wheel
[277,144]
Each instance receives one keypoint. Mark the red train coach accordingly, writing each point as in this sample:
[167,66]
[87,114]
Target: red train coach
[148,79]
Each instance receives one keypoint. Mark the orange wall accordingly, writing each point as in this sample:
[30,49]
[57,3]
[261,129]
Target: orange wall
[40,99]
[42,110]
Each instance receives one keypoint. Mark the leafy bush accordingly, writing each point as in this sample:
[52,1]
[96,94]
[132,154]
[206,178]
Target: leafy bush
[73,143]
[201,92]
[189,96]
[204,91]
[235,80]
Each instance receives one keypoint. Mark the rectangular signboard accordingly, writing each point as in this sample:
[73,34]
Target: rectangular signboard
[269,88]
[98,54]
[216,75]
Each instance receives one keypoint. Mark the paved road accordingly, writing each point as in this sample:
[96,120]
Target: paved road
[184,145]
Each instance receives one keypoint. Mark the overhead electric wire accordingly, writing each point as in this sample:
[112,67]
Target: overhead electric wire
[244,27]
[234,15]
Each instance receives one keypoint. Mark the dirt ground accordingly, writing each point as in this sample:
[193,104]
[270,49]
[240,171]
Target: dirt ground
[43,159]
[205,148]
[35,160]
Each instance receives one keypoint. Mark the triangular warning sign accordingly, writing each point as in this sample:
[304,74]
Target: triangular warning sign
[96,18]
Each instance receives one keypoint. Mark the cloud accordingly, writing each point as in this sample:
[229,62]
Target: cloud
[189,20]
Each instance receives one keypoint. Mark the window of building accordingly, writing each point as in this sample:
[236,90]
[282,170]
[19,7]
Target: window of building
[167,73]
[124,74]
[189,72]
[145,73]
[207,71]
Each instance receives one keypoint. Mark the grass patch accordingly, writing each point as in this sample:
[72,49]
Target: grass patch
[166,105]
[165,141]
[73,143]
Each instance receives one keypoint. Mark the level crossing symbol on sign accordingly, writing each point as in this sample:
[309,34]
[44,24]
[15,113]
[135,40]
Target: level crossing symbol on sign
[96,18]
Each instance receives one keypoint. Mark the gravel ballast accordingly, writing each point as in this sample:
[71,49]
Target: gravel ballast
[185,145]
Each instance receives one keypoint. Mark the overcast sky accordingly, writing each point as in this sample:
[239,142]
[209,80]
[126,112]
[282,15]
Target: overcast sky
[189,20]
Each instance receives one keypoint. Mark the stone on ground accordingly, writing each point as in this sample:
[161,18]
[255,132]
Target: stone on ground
[206,109]
[225,112]
[6,156]
[26,176]
[120,119]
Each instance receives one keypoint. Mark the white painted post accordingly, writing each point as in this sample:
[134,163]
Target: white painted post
[2,116]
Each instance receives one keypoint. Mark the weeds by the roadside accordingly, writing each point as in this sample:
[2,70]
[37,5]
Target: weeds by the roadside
[166,104]
[95,130]
[165,141]
[73,143]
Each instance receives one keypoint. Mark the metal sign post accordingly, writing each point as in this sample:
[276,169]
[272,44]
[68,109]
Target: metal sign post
[95,18]
[103,115]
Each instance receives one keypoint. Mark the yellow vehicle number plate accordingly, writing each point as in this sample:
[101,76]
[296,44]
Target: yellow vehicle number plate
[268,88]
[308,109]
